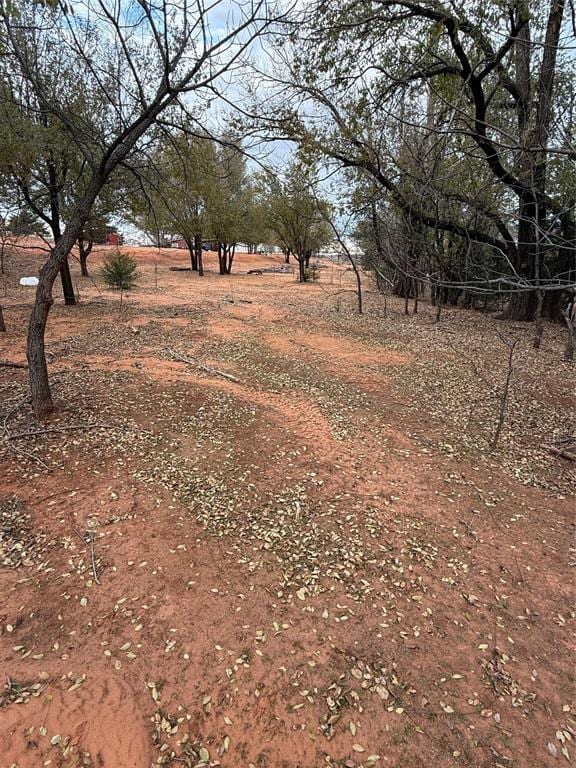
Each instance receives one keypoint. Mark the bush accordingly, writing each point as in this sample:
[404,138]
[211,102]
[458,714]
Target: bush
[119,271]
[312,273]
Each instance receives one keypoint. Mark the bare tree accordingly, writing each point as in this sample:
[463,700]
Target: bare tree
[142,59]
[491,167]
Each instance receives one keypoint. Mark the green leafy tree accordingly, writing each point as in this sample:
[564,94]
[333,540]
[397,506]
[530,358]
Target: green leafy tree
[295,214]
[24,223]
[18,223]
[39,161]
[233,201]
[178,192]
[255,229]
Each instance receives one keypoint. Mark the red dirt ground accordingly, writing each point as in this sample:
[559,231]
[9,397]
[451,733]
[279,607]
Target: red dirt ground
[320,564]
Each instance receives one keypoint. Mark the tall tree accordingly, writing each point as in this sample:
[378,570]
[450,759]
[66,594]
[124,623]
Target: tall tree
[140,59]
[295,213]
[39,161]
[232,203]
[502,116]
[177,190]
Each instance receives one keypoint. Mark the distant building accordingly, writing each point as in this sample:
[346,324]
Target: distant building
[114,238]
[335,252]
[207,245]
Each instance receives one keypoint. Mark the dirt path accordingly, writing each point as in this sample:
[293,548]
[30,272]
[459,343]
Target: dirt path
[320,564]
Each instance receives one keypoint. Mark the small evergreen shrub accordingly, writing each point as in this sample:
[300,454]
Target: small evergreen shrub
[119,271]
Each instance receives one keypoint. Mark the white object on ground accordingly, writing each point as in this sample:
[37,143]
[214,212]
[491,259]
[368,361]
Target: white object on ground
[29,281]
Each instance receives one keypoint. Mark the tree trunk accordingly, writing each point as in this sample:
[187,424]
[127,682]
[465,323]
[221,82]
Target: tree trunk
[521,306]
[439,303]
[2,323]
[198,251]
[358,283]
[67,286]
[287,256]
[533,165]
[40,394]
[454,295]
[38,370]
[221,258]
[569,348]
[230,257]
[570,318]
[84,250]
[402,285]
[301,269]
[539,325]
[55,226]
[39,384]
[192,251]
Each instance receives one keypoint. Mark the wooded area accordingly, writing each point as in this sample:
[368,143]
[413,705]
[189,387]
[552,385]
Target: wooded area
[455,126]
[287,328]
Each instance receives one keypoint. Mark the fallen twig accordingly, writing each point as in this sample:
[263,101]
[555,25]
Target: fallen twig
[48,430]
[26,454]
[90,534]
[15,448]
[511,344]
[562,452]
[88,539]
[9,437]
[8,364]
[207,368]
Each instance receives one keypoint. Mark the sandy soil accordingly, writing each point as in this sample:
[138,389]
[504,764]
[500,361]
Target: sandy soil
[321,564]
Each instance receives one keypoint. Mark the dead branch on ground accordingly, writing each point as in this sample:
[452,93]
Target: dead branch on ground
[564,447]
[88,540]
[201,366]
[9,437]
[52,430]
[90,534]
